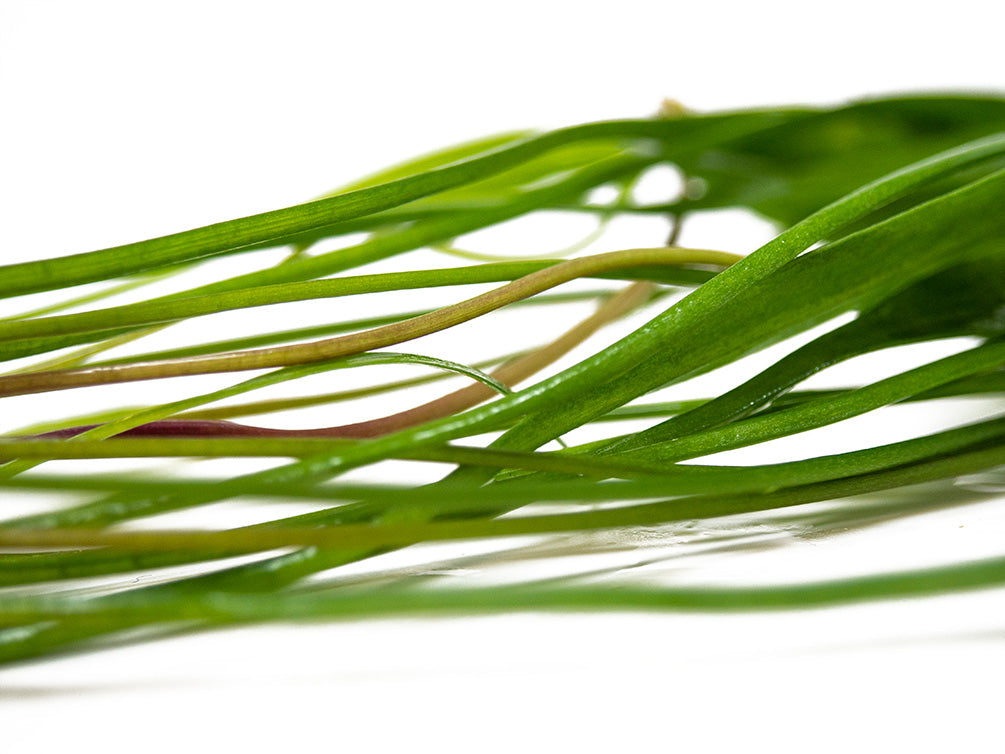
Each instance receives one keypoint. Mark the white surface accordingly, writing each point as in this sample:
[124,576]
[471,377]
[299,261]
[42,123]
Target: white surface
[128,120]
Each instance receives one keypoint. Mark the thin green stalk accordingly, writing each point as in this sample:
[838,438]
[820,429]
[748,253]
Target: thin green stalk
[360,342]
[383,535]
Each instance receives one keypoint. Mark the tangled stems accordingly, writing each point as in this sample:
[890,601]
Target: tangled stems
[349,535]
[889,209]
[509,374]
[347,345]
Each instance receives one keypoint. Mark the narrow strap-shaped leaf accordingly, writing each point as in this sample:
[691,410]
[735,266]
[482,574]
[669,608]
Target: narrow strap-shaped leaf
[280,224]
[541,280]
[598,384]
[380,500]
[932,308]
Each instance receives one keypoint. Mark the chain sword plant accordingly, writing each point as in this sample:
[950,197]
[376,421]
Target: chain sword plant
[888,210]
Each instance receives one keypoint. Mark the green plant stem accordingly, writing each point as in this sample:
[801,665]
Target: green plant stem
[354,536]
[360,342]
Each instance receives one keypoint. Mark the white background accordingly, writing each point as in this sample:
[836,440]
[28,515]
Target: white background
[122,121]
